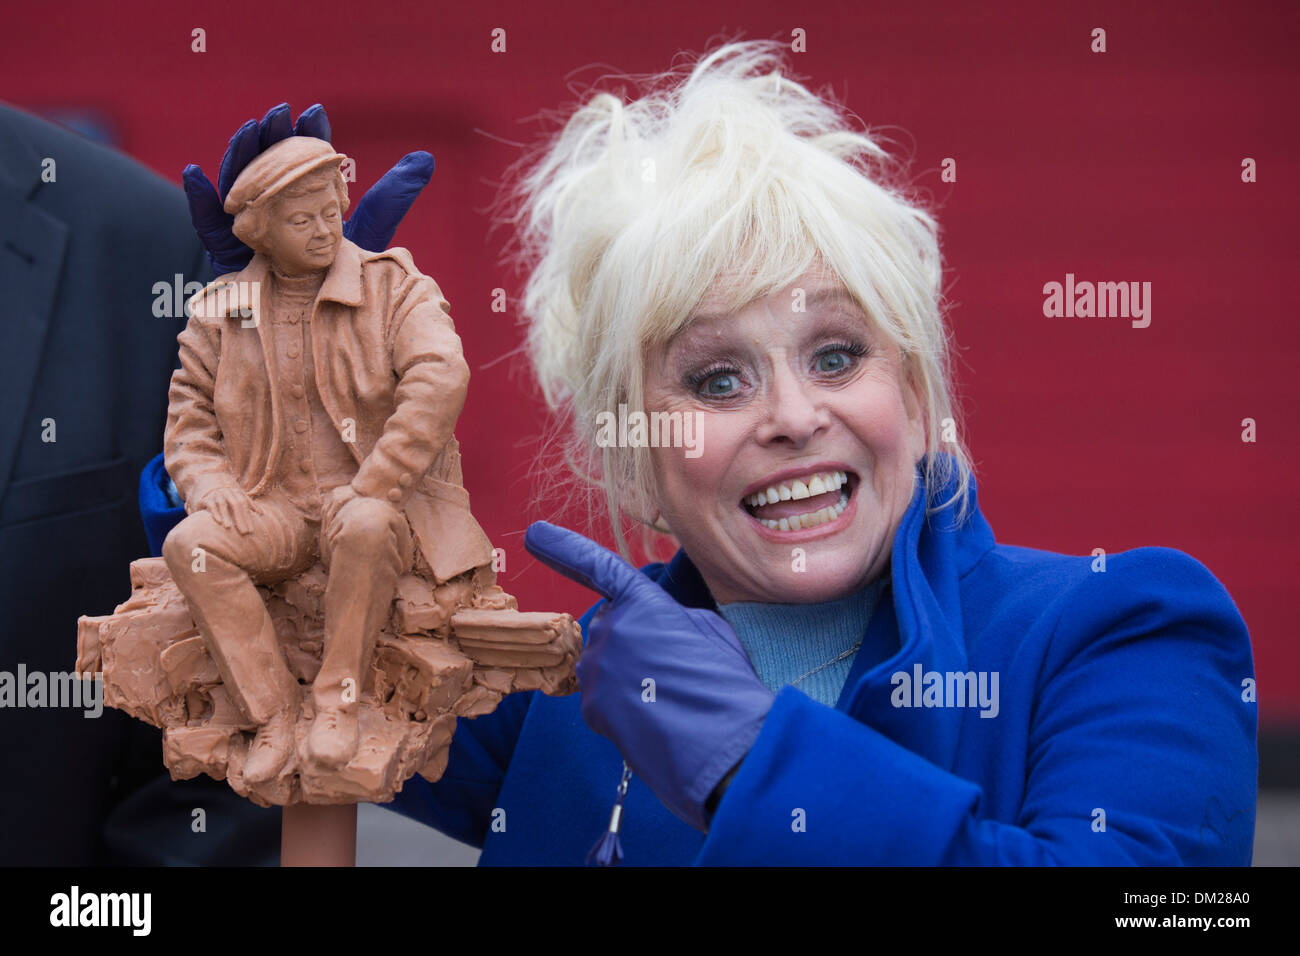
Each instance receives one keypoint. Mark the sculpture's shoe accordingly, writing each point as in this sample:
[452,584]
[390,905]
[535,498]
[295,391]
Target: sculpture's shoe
[271,748]
[334,738]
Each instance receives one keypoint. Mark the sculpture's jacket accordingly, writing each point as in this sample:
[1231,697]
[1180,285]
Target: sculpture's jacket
[1123,732]
[390,372]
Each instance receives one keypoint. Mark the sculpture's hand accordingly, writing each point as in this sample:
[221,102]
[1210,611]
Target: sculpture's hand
[374,220]
[335,500]
[231,507]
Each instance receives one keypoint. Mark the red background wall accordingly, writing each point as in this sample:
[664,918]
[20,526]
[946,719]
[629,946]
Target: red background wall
[1123,166]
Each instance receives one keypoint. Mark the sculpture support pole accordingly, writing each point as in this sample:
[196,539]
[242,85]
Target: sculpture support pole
[319,835]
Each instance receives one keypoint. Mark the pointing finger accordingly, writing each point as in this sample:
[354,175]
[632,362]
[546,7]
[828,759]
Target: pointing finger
[583,560]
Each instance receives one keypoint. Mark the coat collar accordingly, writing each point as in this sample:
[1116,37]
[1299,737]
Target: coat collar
[342,282]
[33,243]
[20,164]
[923,620]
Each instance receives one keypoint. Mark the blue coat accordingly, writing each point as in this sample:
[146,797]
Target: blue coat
[1123,730]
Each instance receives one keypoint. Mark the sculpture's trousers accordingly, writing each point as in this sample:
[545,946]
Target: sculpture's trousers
[365,549]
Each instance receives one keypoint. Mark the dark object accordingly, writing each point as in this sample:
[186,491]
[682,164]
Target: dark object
[86,363]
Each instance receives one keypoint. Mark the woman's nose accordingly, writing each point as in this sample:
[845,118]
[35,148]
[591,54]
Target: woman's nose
[795,410]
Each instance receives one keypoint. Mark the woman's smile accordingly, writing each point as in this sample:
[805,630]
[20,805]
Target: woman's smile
[811,504]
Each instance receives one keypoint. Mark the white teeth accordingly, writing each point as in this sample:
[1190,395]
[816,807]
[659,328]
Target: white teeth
[798,488]
[810,520]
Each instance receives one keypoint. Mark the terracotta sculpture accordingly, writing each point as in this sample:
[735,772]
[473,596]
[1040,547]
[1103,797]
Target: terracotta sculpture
[328,606]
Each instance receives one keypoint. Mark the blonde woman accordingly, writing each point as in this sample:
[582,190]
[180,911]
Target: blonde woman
[840,665]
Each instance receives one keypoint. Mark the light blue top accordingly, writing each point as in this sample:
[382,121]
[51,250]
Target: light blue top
[809,646]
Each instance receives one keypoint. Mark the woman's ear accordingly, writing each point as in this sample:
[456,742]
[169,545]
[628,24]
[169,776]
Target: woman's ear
[918,416]
[649,515]
[641,505]
[642,512]
[660,525]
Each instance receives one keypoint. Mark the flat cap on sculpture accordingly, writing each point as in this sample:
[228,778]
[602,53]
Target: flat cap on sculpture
[289,159]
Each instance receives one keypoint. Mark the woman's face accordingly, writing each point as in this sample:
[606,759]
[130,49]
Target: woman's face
[807,407]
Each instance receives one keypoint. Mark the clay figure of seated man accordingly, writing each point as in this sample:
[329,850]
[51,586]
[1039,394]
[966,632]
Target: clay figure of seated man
[317,388]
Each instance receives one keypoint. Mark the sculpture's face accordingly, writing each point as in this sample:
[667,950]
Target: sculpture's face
[305,230]
[783,397]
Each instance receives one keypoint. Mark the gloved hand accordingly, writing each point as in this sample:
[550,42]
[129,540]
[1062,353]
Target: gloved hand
[708,704]
[158,510]
[374,219]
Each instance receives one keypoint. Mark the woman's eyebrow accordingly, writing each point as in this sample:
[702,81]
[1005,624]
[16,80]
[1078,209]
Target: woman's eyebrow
[691,344]
[816,296]
[831,294]
[696,335]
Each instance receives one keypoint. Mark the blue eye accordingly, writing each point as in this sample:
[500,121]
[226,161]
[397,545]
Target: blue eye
[841,356]
[717,384]
[717,381]
[823,365]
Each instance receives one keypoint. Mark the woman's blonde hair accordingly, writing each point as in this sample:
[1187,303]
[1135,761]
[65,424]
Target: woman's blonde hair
[627,216]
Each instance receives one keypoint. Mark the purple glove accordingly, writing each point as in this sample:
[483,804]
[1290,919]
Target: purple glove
[374,219]
[708,704]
